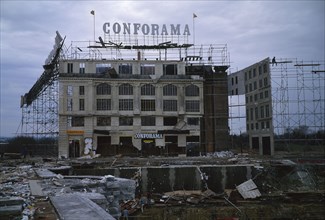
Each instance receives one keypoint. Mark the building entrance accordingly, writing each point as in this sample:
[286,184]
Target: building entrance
[74,148]
[104,147]
[266,143]
[148,147]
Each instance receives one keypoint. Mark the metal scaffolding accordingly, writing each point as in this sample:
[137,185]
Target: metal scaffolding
[298,94]
[40,118]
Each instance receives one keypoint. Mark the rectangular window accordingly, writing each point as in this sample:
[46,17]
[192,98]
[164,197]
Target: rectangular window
[252,114]
[77,121]
[70,67]
[81,104]
[148,105]
[169,105]
[259,70]
[81,90]
[125,68]
[103,121]
[148,121]
[82,68]
[125,121]
[170,69]
[103,104]
[255,85]
[262,111]
[250,74]
[170,121]
[250,87]
[266,94]
[264,68]
[125,104]
[256,126]
[254,72]
[193,121]
[232,81]
[103,67]
[69,90]
[245,75]
[260,83]
[255,97]
[236,80]
[256,113]
[192,106]
[147,69]
[247,115]
[267,111]
[265,81]
[69,104]
[261,95]
[267,124]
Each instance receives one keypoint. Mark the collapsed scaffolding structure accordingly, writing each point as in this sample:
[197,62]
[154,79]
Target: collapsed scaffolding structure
[40,105]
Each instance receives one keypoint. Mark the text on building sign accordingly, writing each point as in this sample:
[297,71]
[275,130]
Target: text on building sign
[145,29]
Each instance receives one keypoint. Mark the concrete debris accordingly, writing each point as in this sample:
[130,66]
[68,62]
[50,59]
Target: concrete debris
[76,207]
[248,190]
[26,186]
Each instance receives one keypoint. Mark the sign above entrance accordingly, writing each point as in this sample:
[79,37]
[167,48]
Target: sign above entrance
[148,136]
[146,29]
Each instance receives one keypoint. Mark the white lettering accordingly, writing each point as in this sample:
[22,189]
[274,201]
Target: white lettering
[149,136]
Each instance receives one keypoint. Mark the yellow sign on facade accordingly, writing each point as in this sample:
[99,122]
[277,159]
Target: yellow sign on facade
[75,132]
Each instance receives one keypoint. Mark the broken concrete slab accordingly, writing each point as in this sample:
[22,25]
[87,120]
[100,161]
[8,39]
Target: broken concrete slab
[76,207]
[6,201]
[12,210]
[45,173]
[248,190]
[35,188]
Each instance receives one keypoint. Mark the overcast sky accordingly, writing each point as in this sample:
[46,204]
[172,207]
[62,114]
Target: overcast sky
[252,30]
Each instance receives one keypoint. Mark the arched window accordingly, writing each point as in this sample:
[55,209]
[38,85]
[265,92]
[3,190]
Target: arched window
[192,90]
[125,89]
[170,90]
[103,89]
[148,89]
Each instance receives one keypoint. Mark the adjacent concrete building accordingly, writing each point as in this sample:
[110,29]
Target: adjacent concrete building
[254,82]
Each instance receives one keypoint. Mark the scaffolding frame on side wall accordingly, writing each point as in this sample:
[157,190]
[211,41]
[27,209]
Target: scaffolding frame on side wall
[298,94]
[40,118]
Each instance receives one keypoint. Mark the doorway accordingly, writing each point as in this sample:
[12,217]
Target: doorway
[74,148]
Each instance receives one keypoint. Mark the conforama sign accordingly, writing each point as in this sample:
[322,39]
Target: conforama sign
[145,29]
